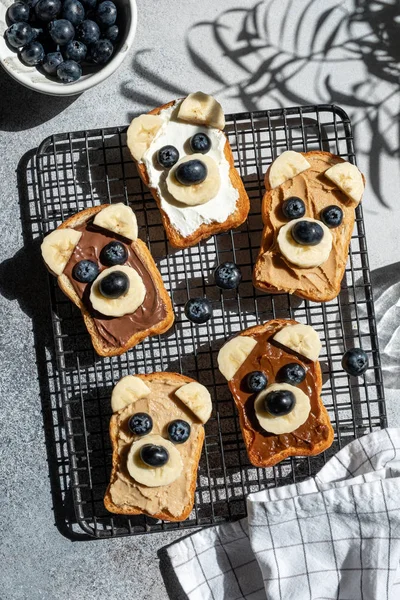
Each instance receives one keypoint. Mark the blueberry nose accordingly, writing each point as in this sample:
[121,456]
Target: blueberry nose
[191,172]
[154,456]
[307,233]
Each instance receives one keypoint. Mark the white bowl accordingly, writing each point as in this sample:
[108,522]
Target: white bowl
[31,78]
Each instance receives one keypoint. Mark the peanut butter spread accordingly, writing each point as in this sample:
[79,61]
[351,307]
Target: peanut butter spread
[163,407]
[317,192]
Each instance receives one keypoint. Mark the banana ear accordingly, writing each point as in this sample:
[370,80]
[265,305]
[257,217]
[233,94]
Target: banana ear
[197,399]
[301,339]
[119,219]
[58,247]
[202,109]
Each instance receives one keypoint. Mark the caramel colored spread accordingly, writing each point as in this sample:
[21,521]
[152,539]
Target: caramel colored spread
[116,331]
[317,192]
[163,407]
[269,358]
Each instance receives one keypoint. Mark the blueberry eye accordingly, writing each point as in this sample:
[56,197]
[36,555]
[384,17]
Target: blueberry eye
[332,216]
[256,381]
[200,142]
[292,373]
[167,156]
[114,253]
[178,431]
[293,208]
[140,423]
[85,271]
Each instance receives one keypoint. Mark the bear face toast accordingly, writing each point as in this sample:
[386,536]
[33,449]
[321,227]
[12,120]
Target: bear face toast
[275,379]
[110,275]
[185,159]
[308,213]
[157,436]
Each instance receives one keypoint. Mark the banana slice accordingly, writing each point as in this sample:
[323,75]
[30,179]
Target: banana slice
[202,108]
[196,397]
[348,179]
[154,476]
[125,304]
[118,218]
[286,166]
[304,256]
[128,390]
[198,193]
[57,248]
[141,132]
[303,339]
[233,354]
[286,423]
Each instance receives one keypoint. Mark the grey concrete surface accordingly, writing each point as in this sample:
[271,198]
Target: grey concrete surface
[281,53]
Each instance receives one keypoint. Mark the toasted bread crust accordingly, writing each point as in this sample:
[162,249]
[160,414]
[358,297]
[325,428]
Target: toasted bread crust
[206,230]
[186,510]
[100,345]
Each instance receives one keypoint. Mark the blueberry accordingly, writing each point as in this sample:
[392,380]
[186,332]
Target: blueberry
[332,216]
[111,33]
[140,423]
[85,271]
[102,51]
[167,156]
[18,12]
[47,10]
[178,431]
[198,310]
[114,253]
[293,208]
[279,402]
[106,13]
[200,142]
[114,285]
[88,32]
[227,276]
[256,381]
[19,35]
[73,11]
[292,373]
[191,172]
[307,233]
[32,54]
[355,361]
[69,71]
[51,62]
[62,31]
[76,51]
[154,456]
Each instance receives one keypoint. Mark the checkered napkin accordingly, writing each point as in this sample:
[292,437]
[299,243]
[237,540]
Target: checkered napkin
[336,536]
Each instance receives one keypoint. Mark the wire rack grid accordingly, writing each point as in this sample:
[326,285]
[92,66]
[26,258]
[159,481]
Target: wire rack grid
[81,169]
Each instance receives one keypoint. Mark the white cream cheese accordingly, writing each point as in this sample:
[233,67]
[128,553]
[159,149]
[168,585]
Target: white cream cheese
[186,219]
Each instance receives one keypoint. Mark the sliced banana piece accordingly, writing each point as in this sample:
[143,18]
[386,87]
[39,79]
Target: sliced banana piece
[197,398]
[129,389]
[300,338]
[202,108]
[154,476]
[286,166]
[141,132]
[304,256]
[125,304]
[348,179]
[57,248]
[119,219]
[198,193]
[286,423]
[233,354]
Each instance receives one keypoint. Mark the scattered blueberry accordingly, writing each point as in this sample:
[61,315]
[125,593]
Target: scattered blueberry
[73,11]
[19,35]
[198,310]
[307,233]
[88,32]
[62,31]
[140,423]
[191,172]
[332,216]
[256,381]
[76,51]
[32,54]
[106,13]
[114,285]
[279,402]
[293,208]
[355,361]
[18,12]
[102,52]
[292,373]
[85,271]
[69,71]
[167,156]
[47,10]
[154,456]
[111,33]
[51,62]
[178,431]
[200,142]
[227,276]
[114,253]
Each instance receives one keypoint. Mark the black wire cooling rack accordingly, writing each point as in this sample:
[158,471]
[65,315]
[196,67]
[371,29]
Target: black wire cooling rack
[78,170]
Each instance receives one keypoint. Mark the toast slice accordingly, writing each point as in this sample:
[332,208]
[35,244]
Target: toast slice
[273,273]
[184,234]
[174,501]
[262,353]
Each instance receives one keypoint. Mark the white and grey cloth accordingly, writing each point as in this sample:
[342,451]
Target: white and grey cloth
[335,536]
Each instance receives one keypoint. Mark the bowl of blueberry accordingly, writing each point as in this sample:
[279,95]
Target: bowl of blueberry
[64,47]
